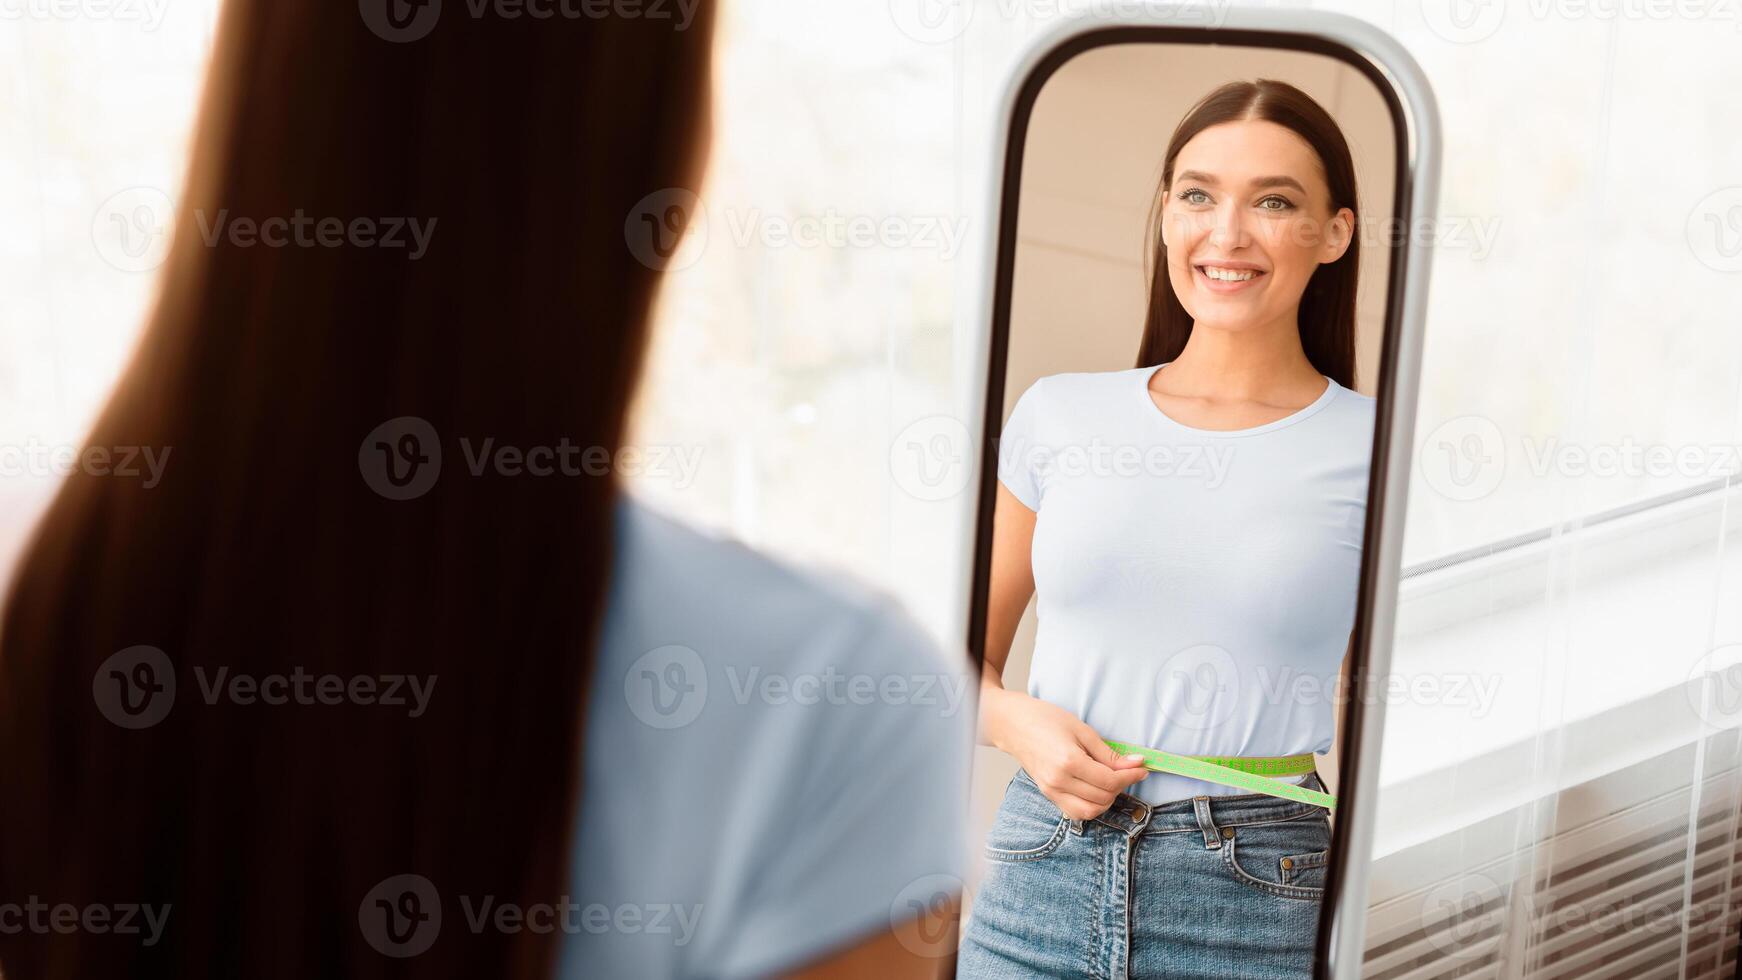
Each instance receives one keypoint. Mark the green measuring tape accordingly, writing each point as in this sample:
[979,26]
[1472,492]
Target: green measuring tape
[1257,774]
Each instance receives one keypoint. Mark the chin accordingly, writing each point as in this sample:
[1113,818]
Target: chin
[1223,319]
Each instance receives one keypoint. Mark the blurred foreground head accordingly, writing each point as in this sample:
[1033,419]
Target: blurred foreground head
[316,517]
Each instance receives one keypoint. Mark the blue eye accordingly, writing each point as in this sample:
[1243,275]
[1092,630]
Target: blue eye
[1287,205]
[1186,195]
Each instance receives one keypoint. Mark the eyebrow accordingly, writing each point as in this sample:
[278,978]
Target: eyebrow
[1277,181]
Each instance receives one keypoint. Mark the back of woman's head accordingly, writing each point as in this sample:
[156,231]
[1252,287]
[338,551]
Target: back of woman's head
[401,250]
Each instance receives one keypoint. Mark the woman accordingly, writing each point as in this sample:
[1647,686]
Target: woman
[331,700]
[1199,609]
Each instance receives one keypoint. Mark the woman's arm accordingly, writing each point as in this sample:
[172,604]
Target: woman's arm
[1066,758]
[1327,764]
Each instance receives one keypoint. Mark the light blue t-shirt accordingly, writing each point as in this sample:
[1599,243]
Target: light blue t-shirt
[1195,589]
[776,764]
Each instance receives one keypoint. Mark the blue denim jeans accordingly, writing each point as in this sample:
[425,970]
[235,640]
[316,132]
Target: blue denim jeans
[1224,887]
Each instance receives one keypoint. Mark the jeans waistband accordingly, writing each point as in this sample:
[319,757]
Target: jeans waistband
[1206,815]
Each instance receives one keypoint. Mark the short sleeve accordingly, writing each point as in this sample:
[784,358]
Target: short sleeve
[1018,459]
[871,822]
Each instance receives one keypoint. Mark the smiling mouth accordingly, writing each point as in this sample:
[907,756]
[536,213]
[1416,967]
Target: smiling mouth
[1227,280]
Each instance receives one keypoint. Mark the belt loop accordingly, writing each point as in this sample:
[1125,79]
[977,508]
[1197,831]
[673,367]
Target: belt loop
[1212,836]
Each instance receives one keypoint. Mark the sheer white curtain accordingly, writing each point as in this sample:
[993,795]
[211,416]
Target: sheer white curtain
[1560,786]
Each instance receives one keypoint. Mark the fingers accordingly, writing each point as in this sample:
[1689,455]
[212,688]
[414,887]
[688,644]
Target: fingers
[1086,791]
[1078,808]
[1084,801]
[1103,753]
[1103,767]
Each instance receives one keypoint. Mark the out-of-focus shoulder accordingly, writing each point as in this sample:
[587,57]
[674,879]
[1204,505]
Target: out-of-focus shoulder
[706,584]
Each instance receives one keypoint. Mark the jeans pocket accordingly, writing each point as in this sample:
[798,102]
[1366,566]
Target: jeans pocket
[1028,826]
[1306,870]
[1286,859]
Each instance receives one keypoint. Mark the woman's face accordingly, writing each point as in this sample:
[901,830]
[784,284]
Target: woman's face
[1249,200]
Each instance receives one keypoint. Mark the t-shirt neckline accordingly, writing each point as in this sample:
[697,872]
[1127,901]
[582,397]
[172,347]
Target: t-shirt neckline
[1144,374]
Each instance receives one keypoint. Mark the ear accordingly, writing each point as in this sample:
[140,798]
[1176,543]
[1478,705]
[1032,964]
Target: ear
[1339,235]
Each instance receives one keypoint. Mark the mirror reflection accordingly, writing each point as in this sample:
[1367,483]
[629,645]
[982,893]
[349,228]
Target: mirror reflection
[1196,313]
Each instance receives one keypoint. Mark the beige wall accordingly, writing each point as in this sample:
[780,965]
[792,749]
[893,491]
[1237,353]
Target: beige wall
[1090,168]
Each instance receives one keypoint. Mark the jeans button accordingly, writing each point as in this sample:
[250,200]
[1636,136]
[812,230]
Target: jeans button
[1140,813]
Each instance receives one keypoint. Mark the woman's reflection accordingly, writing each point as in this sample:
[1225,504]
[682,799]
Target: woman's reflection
[1192,529]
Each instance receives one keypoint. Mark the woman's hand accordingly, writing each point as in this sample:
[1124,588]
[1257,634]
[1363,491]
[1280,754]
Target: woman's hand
[1066,758]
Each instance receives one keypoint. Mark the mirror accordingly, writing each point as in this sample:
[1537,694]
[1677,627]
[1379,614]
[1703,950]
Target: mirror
[1203,337]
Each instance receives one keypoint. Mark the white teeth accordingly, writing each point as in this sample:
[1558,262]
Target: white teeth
[1229,275]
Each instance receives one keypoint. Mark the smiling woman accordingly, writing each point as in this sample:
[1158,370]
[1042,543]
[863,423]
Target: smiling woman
[1257,179]
[1186,625]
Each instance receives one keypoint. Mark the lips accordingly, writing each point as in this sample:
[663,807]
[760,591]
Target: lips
[1251,273]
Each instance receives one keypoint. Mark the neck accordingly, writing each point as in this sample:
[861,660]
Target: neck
[1253,361]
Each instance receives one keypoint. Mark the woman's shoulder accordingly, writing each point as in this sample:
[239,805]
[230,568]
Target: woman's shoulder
[1088,382]
[705,589]
[1087,395]
[1354,408]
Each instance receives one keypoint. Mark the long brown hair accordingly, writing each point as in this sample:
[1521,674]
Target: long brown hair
[1327,307]
[267,549]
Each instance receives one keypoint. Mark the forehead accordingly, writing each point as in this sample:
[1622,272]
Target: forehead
[1236,152]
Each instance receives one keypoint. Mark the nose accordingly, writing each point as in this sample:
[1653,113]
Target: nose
[1229,230]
